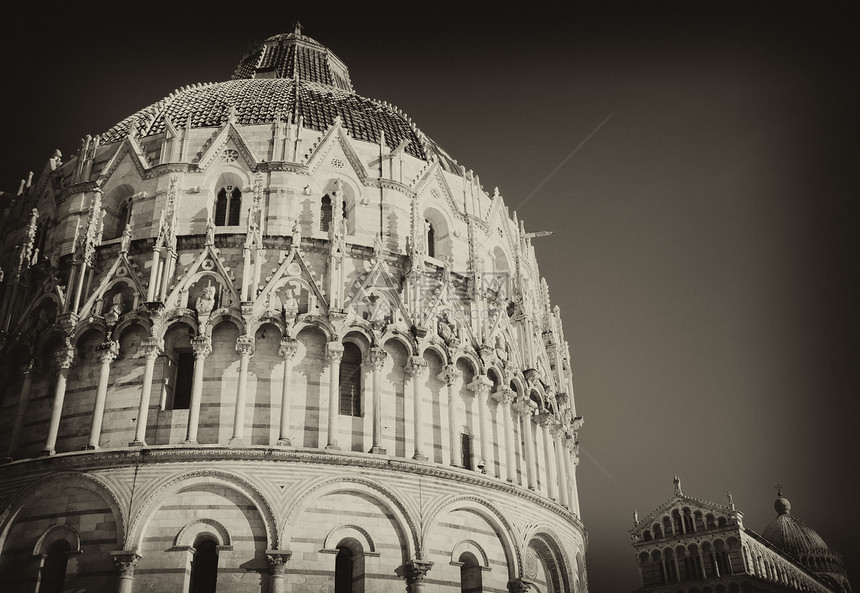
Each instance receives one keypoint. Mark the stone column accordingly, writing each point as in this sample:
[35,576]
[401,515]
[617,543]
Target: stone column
[557,434]
[416,368]
[415,573]
[125,562]
[288,351]
[546,419]
[278,566]
[23,402]
[505,396]
[376,360]
[334,354]
[450,375]
[202,346]
[64,360]
[525,408]
[481,386]
[107,353]
[151,348]
[245,348]
[153,277]
[572,462]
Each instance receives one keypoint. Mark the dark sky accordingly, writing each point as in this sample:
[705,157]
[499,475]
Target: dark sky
[705,252]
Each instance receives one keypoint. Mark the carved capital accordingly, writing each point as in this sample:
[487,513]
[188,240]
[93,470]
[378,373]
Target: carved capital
[376,358]
[333,352]
[450,374]
[561,398]
[151,347]
[65,357]
[202,346]
[278,560]
[125,561]
[416,367]
[504,395]
[245,345]
[524,407]
[416,571]
[481,385]
[107,351]
[545,419]
[288,348]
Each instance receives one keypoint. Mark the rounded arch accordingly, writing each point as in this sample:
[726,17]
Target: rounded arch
[358,332]
[434,349]
[91,325]
[401,337]
[197,527]
[547,545]
[505,531]
[382,495]
[314,325]
[225,316]
[227,174]
[437,232]
[156,496]
[470,358]
[54,533]
[346,532]
[472,547]
[49,482]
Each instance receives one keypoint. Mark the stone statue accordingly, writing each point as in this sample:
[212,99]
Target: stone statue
[206,302]
[297,234]
[448,328]
[117,306]
[210,232]
[501,348]
[291,305]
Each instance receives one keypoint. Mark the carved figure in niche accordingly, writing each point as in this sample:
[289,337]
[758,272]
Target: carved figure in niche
[206,302]
[380,309]
[210,232]
[448,328]
[116,308]
[126,239]
[502,349]
[297,234]
[291,304]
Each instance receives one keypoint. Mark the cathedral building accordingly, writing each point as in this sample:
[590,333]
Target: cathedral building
[266,335]
[694,546]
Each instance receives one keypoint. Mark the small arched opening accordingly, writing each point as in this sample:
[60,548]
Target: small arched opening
[349,567]
[53,573]
[204,565]
[470,573]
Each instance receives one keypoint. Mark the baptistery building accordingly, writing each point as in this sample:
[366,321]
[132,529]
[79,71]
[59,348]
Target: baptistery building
[266,335]
[689,545]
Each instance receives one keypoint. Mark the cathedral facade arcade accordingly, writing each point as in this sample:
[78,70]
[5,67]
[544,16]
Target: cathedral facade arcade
[266,335]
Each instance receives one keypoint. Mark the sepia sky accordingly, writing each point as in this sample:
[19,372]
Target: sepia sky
[698,170]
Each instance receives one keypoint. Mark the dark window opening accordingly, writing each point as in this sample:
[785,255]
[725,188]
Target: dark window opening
[466,450]
[228,206]
[431,239]
[470,574]
[204,567]
[325,213]
[350,380]
[184,380]
[122,219]
[343,570]
[54,568]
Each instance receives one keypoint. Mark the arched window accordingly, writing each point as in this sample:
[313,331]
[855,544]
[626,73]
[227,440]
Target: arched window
[431,238]
[349,567]
[470,574]
[53,573]
[204,566]
[228,206]
[325,212]
[350,380]
[122,218]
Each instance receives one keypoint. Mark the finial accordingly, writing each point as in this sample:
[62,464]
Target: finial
[677,481]
[297,29]
[731,500]
[635,517]
[779,490]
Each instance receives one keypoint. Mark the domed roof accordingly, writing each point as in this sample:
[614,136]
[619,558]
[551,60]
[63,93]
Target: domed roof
[286,77]
[792,536]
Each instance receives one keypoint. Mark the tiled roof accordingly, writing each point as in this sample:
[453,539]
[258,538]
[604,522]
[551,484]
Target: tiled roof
[263,100]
